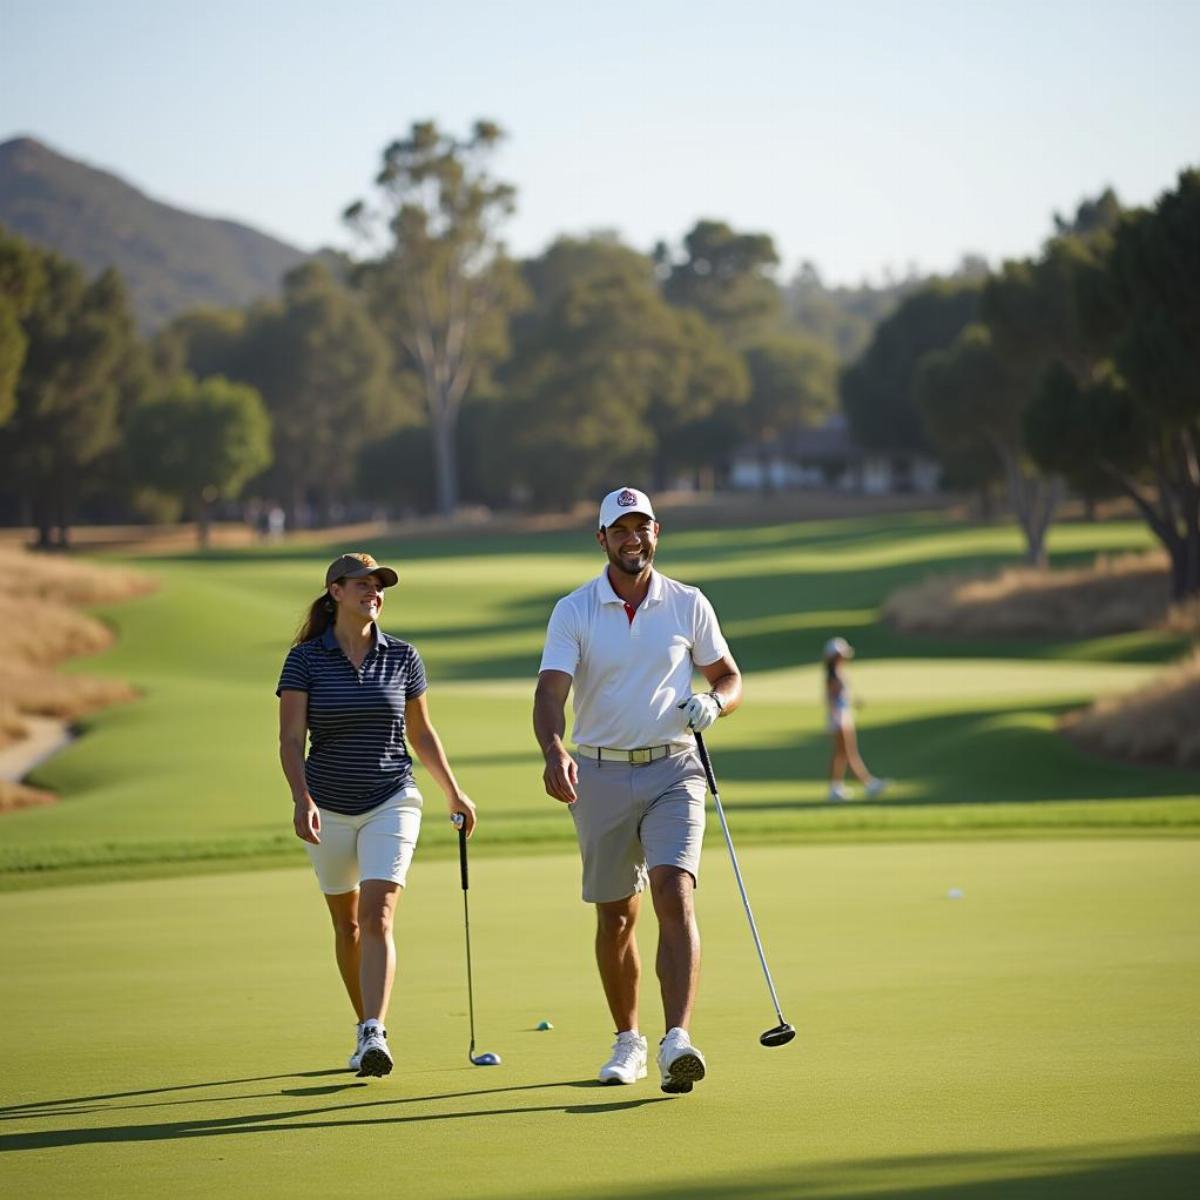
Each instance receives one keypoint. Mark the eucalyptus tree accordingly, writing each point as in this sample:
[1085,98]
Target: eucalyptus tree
[436,276]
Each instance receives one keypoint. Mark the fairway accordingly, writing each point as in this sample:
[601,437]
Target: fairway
[187,778]
[1036,1037]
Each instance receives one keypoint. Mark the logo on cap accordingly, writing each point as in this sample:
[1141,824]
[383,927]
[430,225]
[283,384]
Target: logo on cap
[626,498]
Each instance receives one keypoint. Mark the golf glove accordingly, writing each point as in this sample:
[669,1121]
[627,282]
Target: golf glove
[701,710]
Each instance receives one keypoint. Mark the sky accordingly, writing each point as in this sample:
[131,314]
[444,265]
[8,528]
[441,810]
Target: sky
[867,137]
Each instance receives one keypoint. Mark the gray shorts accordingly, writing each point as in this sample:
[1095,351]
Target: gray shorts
[630,819]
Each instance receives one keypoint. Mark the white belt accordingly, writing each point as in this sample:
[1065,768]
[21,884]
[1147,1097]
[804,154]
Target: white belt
[637,758]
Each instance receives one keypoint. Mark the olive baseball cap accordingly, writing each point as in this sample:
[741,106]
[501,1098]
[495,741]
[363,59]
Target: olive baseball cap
[624,500]
[358,566]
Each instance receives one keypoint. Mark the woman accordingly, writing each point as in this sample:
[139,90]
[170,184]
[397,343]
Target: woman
[841,726]
[356,693]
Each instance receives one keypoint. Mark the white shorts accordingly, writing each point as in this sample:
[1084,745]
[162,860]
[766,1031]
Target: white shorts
[373,845]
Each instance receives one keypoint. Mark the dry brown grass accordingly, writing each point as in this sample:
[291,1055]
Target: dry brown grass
[1156,724]
[12,728]
[64,697]
[42,627]
[66,580]
[1115,595]
[18,795]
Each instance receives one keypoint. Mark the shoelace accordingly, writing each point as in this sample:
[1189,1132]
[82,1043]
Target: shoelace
[624,1047]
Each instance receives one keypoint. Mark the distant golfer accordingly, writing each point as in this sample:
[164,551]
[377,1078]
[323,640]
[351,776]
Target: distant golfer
[841,726]
[356,693]
[629,641]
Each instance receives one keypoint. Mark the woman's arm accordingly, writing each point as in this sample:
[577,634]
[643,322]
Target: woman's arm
[293,730]
[423,738]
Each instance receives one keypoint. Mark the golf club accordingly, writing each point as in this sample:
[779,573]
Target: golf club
[486,1059]
[782,1033]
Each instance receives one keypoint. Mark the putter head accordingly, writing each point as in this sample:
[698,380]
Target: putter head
[485,1060]
[779,1036]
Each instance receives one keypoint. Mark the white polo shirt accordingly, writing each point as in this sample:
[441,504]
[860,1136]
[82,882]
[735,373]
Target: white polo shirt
[630,676]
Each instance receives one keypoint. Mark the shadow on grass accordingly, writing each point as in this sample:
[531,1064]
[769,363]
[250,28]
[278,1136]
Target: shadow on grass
[1161,1169]
[290,1120]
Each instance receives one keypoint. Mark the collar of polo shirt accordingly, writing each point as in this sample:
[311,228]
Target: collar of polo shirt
[608,594]
[329,640]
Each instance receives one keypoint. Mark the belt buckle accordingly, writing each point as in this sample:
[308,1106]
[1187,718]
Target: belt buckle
[639,757]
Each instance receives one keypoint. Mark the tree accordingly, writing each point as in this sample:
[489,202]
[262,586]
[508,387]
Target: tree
[701,392]
[203,342]
[793,382]
[79,337]
[971,396]
[726,277]
[440,285]
[608,380]
[201,441]
[324,371]
[22,279]
[1138,418]
[1101,215]
[879,390]
[580,388]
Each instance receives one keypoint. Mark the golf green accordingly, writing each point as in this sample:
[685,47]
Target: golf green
[1034,1037]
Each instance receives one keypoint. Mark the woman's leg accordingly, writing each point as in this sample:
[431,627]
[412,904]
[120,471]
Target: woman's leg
[850,744]
[376,915]
[837,763]
[343,909]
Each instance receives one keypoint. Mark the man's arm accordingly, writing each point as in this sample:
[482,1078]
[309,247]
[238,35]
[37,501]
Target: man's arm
[725,680]
[549,725]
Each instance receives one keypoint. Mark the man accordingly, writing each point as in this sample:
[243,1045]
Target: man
[629,641]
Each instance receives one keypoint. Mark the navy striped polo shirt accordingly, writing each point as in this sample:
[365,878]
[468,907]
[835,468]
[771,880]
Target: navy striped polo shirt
[357,756]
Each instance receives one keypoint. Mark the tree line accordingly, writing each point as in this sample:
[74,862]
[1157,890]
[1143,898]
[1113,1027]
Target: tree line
[1076,369]
[430,368]
[427,369]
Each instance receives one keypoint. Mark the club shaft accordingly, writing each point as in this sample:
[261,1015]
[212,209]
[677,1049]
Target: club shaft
[462,862]
[737,872]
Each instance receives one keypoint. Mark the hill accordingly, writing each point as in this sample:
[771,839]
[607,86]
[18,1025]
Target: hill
[171,260]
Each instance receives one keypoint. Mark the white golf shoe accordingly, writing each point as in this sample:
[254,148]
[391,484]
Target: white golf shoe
[679,1062]
[375,1059]
[876,787]
[356,1057]
[839,792]
[627,1063]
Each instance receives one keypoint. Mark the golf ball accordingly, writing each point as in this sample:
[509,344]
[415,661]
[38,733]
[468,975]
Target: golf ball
[544,1025]
[954,894]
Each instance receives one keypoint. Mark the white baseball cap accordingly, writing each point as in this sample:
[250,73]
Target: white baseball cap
[624,500]
[839,646]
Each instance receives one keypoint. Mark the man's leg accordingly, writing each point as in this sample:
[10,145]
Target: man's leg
[678,960]
[617,958]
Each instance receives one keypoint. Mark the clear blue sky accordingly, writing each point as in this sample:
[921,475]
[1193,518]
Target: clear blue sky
[863,135]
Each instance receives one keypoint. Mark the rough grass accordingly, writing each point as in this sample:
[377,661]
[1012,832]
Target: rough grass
[1157,723]
[46,694]
[1116,594]
[17,795]
[66,580]
[39,601]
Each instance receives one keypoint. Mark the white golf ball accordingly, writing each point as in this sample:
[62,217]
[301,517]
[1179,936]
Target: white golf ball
[954,894]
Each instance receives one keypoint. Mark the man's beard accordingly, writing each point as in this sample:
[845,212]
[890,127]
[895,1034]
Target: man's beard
[644,559]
